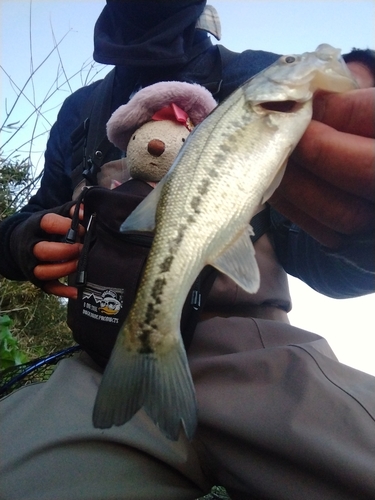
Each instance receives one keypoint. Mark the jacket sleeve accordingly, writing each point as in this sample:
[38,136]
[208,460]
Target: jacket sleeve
[55,189]
[348,272]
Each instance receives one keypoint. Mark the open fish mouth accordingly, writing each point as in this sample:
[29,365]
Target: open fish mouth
[281,106]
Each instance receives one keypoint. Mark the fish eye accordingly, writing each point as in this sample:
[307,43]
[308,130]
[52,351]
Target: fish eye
[289,59]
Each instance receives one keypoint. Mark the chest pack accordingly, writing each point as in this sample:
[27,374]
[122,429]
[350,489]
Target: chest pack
[110,268]
[111,263]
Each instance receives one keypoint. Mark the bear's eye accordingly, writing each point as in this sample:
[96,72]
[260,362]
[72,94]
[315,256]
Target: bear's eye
[183,140]
[133,137]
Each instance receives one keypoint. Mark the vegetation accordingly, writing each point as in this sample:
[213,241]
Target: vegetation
[33,323]
[10,353]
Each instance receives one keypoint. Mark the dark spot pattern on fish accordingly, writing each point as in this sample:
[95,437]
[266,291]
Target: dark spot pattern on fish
[238,124]
[145,342]
[166,264]
[203,187]
[147,328]
[145,331]
[213,173]
[220,158]
[225,148]
[195,202]
[157,289]
[179,237]
[151,313]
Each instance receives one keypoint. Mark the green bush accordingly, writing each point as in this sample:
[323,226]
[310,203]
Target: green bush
[10,353]
[38,320]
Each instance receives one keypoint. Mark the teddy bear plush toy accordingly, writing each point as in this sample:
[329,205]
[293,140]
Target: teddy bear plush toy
[153,126]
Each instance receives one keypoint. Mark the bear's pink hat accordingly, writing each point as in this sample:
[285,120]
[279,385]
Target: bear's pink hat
[194,99]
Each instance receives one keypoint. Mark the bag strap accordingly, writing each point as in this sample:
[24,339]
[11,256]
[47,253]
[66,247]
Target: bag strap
[261,223]
[90,144]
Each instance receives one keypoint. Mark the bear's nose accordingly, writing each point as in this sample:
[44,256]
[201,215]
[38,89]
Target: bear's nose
[156,147]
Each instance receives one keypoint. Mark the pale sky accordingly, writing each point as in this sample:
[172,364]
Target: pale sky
[278,26]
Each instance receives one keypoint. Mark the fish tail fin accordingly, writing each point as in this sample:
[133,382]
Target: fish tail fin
[162,384]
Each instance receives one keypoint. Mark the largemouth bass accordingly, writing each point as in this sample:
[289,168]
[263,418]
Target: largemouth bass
[230,164]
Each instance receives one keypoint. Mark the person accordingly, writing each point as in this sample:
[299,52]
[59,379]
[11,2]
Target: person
[362,64]
[279,416]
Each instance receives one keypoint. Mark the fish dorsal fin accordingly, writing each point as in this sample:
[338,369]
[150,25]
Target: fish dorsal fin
[143,217]
[238,262]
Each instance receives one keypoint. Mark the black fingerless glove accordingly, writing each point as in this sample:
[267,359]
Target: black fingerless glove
[22,233]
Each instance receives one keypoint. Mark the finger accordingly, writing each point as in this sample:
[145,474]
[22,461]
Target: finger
[344,160]
[328,205]
[351,112]
[57,288]
[80,214]
[57,224]
[318,231]
[47,272]
[49,251]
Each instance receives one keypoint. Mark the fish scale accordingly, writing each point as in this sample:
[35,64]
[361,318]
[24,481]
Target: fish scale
[230,164]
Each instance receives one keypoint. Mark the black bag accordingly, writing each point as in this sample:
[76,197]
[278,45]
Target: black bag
[110,269]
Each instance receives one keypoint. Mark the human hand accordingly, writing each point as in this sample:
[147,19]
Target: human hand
[329,185]
[57,260]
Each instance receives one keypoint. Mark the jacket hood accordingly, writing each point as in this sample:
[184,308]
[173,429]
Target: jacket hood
[148,33]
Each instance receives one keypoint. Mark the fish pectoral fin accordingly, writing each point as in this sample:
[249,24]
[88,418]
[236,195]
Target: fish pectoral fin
[277,179]
[162,385]
[238,262]
[143,217]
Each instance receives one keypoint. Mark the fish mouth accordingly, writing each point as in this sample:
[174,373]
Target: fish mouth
[281,106]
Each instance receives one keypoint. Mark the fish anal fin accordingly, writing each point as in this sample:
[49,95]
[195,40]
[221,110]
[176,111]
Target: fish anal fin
[238,262]
[162,385]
